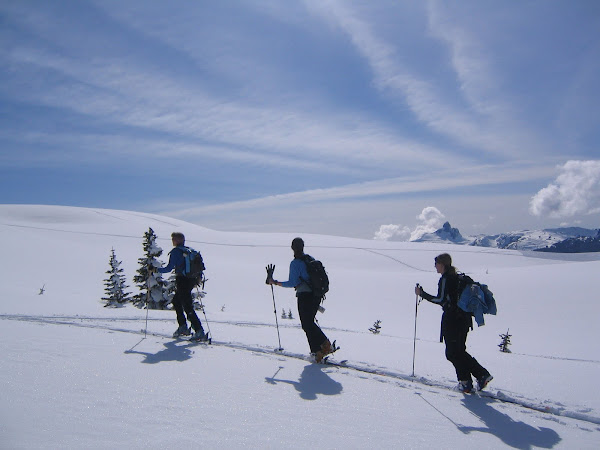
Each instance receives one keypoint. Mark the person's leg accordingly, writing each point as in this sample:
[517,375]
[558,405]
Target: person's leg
[307,310]
[455,337]
[178,307]
[184,288]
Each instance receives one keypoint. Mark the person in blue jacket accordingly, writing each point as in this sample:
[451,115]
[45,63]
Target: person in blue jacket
[308,304]
[455,326]
[182,301]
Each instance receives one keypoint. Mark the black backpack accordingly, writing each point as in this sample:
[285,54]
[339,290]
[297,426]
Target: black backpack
[319,281]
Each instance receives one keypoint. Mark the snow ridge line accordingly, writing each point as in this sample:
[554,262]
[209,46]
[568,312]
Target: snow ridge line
[546,407]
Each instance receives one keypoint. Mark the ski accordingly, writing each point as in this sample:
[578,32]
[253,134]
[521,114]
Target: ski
[330,362]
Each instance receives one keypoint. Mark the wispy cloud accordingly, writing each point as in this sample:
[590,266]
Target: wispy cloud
[116,91]
[444,182]
[471,112]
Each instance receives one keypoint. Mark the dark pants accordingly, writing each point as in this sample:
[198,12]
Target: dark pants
[455,327]
[308,306]
[182,302]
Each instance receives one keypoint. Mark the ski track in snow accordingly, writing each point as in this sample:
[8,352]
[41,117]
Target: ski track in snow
[350,367]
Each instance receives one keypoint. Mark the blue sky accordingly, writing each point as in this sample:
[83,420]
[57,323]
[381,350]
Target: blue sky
[316,116]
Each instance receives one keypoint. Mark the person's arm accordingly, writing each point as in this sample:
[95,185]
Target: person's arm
[175,258]
[297,274]
[440,295]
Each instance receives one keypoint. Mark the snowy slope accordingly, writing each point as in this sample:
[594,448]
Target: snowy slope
[87,376]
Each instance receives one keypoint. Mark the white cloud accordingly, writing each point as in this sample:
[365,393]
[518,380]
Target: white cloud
[392,232]
[430,220]
[575,191]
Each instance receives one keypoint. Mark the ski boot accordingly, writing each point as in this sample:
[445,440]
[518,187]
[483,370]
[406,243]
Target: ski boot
[199,336]
[182,331]
[466,387]
[325,350]
[483,381]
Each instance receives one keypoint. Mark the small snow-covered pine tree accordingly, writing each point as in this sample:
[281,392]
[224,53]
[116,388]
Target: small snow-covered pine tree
[376,327]
[153,290]
[115,286]
[283,314]
[289,316]
[505,342]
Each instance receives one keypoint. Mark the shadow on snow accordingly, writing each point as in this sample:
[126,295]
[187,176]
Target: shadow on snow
[171,352]
[312,382]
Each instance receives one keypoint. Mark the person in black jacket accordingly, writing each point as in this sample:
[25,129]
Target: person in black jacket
[455,326]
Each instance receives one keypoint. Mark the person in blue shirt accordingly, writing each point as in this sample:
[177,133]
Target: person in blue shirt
[182,301]
[308,304]
[455,326]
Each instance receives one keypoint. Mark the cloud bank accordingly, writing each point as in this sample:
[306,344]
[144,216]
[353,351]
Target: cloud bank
[575,191]
[430,220]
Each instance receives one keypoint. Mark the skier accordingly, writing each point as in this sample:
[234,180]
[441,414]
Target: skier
[455,326]
[182,300]
[308,304]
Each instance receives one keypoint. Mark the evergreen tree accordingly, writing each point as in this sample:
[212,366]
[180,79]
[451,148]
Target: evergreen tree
[376,327]
[289,316]
[283,314]
[170,287]
[505,342]
[153,290]
[115,284]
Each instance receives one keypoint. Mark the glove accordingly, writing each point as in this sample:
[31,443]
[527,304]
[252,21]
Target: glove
[419,290]
[270,269]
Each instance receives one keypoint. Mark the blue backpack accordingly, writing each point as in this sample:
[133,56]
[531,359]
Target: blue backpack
[475,298]
[194,265]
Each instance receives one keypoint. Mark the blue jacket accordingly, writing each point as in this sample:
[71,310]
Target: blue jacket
[176,261]
[478,300]
[298,277]
[472,301]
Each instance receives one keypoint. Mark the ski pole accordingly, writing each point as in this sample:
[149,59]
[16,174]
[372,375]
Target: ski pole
[276,321]
[270,269]
[204,312]
[415,334]
[146,329]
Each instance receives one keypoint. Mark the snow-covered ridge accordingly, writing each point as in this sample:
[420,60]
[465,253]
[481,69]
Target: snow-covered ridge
[547,239]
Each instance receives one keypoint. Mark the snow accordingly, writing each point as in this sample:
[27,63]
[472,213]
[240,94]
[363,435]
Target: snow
[78,375]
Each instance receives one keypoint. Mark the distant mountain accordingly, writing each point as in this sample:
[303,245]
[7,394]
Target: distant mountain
[446,233]
[581,244]
[563,240]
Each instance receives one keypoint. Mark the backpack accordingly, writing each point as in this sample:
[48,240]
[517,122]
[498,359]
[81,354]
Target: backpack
[194,265]
[319,281]
[475,298]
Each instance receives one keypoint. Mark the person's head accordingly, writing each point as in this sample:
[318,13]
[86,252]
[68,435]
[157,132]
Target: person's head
[177,238]
[298,247]
[443,264]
